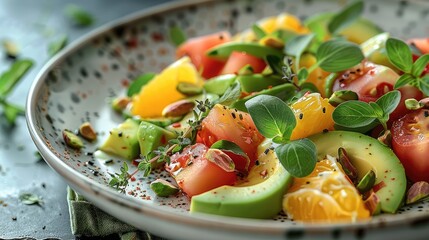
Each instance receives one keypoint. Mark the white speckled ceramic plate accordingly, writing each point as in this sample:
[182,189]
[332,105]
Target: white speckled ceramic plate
[75,87]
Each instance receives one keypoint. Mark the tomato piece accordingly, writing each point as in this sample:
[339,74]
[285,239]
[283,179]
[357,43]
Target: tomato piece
[371,81]
[223,123]
[195,173]
[196,49]
[406,93]
[238,60]
[410,142]
[421,43]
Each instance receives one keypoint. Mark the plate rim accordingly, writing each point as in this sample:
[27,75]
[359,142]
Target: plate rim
[90,187]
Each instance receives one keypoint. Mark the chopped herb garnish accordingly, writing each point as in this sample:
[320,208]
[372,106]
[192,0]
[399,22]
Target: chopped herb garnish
[56,46]
[30,199]
[177,36]
[79,16]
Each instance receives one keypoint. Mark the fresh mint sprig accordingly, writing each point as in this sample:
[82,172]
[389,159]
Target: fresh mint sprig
[359,116]
[275,119]
[400,55]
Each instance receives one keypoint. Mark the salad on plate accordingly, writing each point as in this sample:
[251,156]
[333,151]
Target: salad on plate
[323,120]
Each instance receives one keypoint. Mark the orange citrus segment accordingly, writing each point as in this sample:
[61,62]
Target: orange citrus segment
[161,91]
[317,76]
[313,114]
[325,195]
[282,21]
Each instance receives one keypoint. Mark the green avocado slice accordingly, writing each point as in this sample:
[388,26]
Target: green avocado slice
[258,196]
[367,153]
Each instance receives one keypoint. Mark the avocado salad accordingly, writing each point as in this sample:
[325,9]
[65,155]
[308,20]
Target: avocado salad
[323,120]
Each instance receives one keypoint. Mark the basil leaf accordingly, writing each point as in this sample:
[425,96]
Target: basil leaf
[297,46]
[338,55]
[346,17]
[231,94]
[389,101]
[259,32]
[79,16]
[420,65]
[228,146]
[272,117]
[424,84]
[56,46]
[399,54]
[11,112]
[354,114]
[177,36]
[137,84]
[12,76]
[298,157]
[405,79]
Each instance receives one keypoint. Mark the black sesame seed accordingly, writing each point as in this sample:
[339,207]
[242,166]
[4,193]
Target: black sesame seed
[301,115]
[120,134]
[324,110]
[233,115]
[240,116]
[426,113]
[266,151]
[257,162]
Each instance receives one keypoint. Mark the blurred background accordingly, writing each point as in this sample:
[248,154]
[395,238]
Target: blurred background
[27,30]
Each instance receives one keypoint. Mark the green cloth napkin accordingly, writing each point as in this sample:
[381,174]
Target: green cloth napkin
[89,221]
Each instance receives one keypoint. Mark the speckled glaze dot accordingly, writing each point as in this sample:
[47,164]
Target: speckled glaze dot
[80,86]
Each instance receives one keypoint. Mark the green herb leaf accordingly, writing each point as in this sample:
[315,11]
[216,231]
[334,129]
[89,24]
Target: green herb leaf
[259,32]
[56,46]
[404,79]
[399,54]
[137,84]
[424,84]
[272,117]
[177,36]
[275,64]
[79,16]
[231,94]
[298,157]
[346,17]
[338,55]
[30,199]
[297,46]
[420,65]
[302,75]
[354,114]
[11,77]
[389,101]
[12,111]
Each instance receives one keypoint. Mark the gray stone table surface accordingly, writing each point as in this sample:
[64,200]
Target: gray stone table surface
[32,25]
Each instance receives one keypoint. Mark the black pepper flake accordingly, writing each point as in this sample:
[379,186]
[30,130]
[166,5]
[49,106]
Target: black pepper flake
[89,153]
[266,151]
[43,185]
[14,218]
[301,115]
[91,163]
[307,182]
[44,227]
[324,110]
[95,172]
[224,107]
[233,115]
[120,134]
[257,163]
[325,130]
[426,113]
